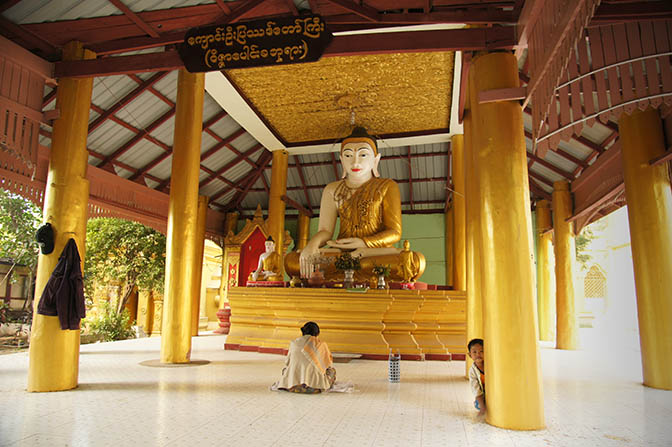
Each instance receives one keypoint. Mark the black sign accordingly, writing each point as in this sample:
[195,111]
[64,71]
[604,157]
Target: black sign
[278,41]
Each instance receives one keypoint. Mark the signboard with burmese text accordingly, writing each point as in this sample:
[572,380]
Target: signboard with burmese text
[257,43]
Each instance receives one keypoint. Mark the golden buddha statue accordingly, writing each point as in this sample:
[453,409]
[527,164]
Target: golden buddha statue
[268,268]
[369,208]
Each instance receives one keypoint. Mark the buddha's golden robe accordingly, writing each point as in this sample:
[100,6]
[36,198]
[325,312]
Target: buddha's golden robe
[372,213]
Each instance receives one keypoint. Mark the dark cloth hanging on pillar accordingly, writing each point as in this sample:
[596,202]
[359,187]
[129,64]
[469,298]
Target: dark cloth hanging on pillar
[63,295]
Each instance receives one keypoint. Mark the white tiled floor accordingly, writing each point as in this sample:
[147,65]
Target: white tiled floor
[592,398]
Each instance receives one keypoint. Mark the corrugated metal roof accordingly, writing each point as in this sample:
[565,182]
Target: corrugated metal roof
[141,154]
[108,137]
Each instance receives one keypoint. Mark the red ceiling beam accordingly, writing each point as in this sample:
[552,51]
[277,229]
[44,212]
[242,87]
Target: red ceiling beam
[540,177]
[411,41]
[238,13]
[126,100]
[420,41]
[552,167]
[31,39]
[297,206]
[5,5]
[415,180]
[95,154]
[363,11]
[297,163]
[223,6]
[130,143]
[333,164]
[133,17]
[135,43]
[49,97]
[240,157]
[631,11]
[152,90]
[137,63]
[538,190]
[264,159]
[227,142]
[292,7]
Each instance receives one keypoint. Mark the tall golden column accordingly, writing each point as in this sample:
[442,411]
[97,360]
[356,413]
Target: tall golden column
[647,190]
[450,253]
[545,279]
[459,216]
[276,206]
[198,263]
[54,353]
[182,238]
[472,244]
[230,222]
[565,260]
[512,364]
[303,230]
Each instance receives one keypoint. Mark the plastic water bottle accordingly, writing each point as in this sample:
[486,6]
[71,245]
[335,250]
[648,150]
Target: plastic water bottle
[394,373]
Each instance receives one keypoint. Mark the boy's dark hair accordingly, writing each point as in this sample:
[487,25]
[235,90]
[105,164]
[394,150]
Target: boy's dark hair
[310,328]
[474,341]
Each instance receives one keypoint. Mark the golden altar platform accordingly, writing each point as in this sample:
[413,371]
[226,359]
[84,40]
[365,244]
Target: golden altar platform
[421,324]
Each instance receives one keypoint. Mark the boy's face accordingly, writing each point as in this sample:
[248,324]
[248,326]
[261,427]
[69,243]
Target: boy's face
[476,354]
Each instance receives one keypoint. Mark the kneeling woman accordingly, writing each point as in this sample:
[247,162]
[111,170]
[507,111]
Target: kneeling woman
[309,365]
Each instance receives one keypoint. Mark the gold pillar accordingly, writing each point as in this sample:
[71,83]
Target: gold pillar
[545,280]
[276,206]
[54,353]
[230,222]
[565,260]
[459,264]
[198,264]
[450,253]
[649,198]
[303,231]
[182,219]
[472,245]
[512,364]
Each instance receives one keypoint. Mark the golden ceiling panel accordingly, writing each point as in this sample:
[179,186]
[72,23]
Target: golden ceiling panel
[388,93]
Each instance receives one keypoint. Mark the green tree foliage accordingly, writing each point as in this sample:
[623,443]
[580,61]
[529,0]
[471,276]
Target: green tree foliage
[19,220]
[110,325]
[124,252]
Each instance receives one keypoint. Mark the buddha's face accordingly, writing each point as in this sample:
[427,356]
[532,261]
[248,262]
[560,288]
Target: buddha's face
[358,160]
[270,246]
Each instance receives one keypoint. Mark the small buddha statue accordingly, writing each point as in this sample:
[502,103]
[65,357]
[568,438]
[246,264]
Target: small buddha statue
[268,268]
[369,208]
[407,264]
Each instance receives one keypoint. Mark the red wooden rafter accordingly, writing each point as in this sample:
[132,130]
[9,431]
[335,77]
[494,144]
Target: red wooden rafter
[333,164]
[126,100]
[239,12]
[240,157]
[297,163]
[363,11]
[133,17]
[264,159]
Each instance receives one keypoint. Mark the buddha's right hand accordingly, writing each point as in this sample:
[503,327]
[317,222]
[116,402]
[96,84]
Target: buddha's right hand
[305,260]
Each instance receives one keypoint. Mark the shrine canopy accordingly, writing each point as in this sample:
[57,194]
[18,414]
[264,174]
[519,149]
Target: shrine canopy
[396,67]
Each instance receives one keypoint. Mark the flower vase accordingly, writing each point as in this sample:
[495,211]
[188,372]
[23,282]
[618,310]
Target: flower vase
[316,279]
[348,281]
[381,282]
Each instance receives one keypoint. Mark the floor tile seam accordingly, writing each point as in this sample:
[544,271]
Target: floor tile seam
[339,422]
